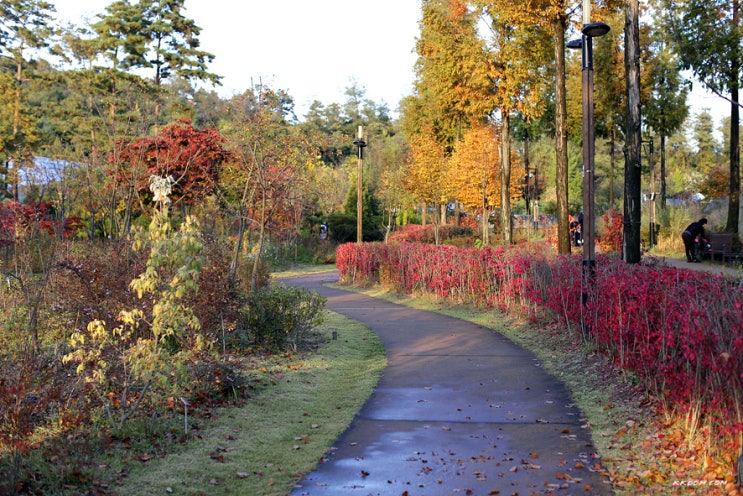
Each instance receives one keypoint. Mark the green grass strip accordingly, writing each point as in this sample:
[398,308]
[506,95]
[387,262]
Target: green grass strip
[282,432]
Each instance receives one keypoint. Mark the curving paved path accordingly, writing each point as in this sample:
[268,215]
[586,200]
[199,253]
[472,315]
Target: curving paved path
[459,409]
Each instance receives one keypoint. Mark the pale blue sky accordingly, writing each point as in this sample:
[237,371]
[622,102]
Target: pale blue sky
[311,48]
[315,48]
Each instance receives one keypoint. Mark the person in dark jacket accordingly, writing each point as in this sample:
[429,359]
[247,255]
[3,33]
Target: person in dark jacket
[690,234]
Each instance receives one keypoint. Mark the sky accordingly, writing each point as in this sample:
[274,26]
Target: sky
[313,49]
[700,99]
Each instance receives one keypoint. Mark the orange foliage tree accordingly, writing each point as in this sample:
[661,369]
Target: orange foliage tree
[518,20]
[453,71]
[517,47]
[475,172]
[427,172]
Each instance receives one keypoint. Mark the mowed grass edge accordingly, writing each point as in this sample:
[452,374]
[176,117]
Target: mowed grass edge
[282,432]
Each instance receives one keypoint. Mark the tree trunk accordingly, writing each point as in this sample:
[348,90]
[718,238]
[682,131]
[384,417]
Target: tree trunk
[128,211]
[662,171]
[561,139]
[243,212]
[633,141]
[734,204]
[485,226]
[505,176]
[235,263]
[612,165]
[15,177]
[114,231]
[259,251]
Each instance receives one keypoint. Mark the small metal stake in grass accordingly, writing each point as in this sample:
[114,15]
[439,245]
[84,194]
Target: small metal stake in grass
[185,414]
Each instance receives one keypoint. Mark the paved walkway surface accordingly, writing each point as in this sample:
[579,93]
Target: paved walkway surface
[732,272]
[459,410]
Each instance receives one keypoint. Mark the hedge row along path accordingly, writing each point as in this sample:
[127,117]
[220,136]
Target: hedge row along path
[459,409]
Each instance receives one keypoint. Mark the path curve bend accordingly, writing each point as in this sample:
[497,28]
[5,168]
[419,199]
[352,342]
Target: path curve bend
[458,410]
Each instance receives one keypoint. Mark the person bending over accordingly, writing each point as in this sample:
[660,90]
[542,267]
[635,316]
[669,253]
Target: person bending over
[690,234]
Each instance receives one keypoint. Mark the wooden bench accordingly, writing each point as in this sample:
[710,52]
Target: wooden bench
[722,245]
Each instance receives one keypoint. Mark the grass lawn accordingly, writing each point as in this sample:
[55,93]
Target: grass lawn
[280,433]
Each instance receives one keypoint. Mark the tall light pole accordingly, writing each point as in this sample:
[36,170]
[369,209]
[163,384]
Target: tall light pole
[651,169]
[589,31]
[360,144]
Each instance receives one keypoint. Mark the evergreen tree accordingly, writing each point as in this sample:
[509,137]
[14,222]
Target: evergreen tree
[709,41]
[23,27]
[666,108]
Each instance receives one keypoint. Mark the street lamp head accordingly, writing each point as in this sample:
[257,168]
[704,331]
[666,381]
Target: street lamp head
[576,44]
[595,29]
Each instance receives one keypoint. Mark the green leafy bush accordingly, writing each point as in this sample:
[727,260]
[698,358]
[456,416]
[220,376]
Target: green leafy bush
[276,317]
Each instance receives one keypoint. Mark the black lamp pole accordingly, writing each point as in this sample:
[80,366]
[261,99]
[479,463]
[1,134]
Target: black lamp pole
[589,31]
[360,144]
[651,170]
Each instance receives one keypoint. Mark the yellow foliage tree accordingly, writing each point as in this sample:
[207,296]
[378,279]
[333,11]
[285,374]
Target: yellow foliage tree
[518,18]
[454,83]
[475,172]
[427,172]
[149,353]
[518,49]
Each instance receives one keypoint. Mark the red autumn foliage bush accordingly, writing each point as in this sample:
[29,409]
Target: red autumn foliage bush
[613,230]
[190,155]
[18,219]
[679,331]
[416,233]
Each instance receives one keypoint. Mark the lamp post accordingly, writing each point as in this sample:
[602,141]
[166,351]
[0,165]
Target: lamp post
[360,144]
[535,200]
[651,170]
[589,31]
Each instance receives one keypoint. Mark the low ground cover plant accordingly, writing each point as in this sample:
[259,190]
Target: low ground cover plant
[277,317]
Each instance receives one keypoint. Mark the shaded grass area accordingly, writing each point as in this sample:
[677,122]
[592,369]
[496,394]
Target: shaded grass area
[282,432]
[298,269]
